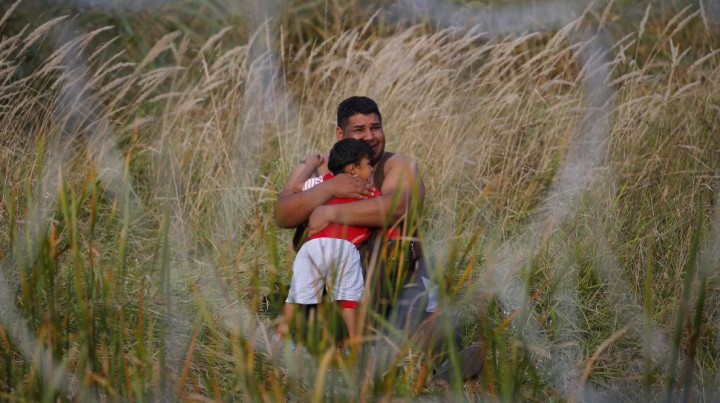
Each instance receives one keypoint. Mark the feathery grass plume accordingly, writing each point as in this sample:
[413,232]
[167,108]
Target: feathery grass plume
[8,13]
[549,239]
[40,31]
[644,21]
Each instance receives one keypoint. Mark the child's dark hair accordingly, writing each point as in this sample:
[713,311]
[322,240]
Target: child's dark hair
[348,151]
[353,106]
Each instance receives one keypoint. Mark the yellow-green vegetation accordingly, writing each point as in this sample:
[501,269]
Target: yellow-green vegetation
[571,212]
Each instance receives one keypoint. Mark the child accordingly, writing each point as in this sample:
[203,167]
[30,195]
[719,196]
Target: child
[330,258]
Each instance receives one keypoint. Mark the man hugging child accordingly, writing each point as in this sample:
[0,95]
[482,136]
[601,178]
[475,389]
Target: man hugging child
[330,259]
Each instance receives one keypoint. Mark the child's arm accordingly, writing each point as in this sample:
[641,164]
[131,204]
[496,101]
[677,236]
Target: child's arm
[311,164]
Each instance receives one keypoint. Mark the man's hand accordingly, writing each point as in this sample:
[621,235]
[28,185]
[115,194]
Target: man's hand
[350,187]
[319,219]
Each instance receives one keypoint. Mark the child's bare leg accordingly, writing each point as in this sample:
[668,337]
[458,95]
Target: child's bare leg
[351,318]
[349,315]
[287,315]
[348,311]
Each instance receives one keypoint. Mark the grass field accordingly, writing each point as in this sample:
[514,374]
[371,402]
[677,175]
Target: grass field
[571,163]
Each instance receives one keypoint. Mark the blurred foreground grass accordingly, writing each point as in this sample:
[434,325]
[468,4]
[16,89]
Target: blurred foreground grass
[140,176]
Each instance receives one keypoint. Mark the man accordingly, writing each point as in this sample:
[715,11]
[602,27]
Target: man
[359,118]
[403,191]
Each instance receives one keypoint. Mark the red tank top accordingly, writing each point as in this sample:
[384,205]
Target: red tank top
[351,233]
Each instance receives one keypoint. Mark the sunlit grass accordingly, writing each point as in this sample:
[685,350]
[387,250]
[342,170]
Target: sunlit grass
[137,238]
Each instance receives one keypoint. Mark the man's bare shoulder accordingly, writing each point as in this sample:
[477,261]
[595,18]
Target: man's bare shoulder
[398,170]
[402,161]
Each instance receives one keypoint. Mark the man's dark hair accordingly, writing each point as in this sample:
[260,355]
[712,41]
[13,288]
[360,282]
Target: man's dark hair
[348,151]
[353,106]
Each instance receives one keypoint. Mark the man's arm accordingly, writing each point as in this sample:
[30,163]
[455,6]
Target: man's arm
[293,209]
[401,190]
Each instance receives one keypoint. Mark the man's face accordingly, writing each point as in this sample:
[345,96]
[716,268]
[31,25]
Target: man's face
[367,128]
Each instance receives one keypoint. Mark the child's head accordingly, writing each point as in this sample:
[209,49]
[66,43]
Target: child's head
[351,156]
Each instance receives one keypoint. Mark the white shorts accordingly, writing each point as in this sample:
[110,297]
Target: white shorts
[329,263]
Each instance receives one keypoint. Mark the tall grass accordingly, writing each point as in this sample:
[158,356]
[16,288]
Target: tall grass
[138,240]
